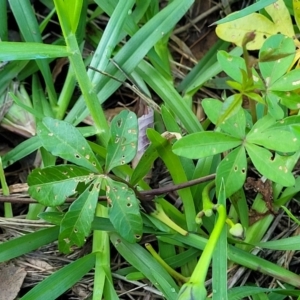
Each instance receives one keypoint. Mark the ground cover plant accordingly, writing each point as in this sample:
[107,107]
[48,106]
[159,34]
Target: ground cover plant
[89,190]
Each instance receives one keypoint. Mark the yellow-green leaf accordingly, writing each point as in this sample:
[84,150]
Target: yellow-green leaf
[263,27]
[281,18]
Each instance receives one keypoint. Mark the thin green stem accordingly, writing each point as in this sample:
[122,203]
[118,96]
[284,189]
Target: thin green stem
[89,95]
[101,247]
[66,94]
[170,270]
[200,271]
[8,213]
[3,21]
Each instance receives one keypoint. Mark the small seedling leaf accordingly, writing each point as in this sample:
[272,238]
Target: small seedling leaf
[203,144]
[76,224]
[232,170]
[273,167]
[282,49]
[122,145]
[124,211]
[52,185]
[64,140]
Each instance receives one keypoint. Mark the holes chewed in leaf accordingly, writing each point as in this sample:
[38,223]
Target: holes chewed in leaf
[119,123]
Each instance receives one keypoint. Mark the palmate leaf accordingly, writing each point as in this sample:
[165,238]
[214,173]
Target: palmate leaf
[232,65]
[52,185]
[122,145]
[288,82]
[203,144]
[281,47]
[124,211]
[274,135]
[276,139]
[234,125]
[232,170]
[64,140]
[76,224]
[274,109]
[274,168]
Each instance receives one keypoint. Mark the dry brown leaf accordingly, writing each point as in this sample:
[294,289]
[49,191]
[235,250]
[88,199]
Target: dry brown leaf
[39,264]
[11,280]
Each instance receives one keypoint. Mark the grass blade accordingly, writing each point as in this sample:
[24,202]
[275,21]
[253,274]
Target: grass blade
[27,243]
[60,281]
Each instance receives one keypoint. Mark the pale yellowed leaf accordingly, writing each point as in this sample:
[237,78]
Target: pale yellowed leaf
[235,31]
[281,18]
[263,27]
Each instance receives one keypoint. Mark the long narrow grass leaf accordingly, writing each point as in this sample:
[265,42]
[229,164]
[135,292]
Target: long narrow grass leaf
[245,12]
[27,243]
[133,52]
[11,51]
[60,281]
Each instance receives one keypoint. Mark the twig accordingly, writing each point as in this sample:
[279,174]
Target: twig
[142,195]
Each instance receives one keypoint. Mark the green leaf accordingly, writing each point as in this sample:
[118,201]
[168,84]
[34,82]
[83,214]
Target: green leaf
[142,260]
[289,99]
[219,258]
[246,11]
[274,168]
[270,137]
[231,106]
[76,224]
[11,51]
[242,292]
[203,144]
[74,13]
[27,243]
[122,145]
[52,185]
[124,211]
[282,48]
[263,27]
[232,170]
[134,51]
[234,125]
[144,165]
[262,124]
[173,101]
[232,65]
[63,279]
[177,171]
[21,150]
[288,82]
[288,244]
[274,109]
[64,140]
